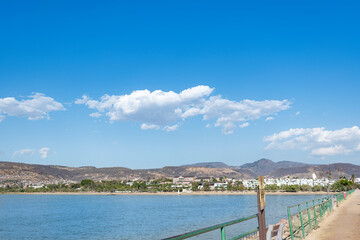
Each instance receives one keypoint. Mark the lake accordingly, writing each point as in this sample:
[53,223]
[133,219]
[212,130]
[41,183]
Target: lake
[35,217]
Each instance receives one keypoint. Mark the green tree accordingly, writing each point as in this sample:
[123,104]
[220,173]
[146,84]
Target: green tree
[342,185]
[74,185]
[305,188]
[206,186]
[271,187]
[87,183]
[239,186]
[290,188]
[194,186]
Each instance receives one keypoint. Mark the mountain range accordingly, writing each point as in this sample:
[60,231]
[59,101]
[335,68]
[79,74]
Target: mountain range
[11,172]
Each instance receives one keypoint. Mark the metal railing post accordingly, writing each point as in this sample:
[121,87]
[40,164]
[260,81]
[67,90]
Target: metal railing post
[301,220]
[223,235]
[290,224]
[308,211]
[316,224]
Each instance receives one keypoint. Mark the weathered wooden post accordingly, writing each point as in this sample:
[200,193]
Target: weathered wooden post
[261,208]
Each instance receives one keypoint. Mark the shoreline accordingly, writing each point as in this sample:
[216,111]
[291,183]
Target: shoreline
[166,193]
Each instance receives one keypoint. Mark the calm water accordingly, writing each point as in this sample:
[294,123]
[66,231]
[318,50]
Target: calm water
[129,217]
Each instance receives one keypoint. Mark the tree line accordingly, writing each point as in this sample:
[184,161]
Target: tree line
[166,185]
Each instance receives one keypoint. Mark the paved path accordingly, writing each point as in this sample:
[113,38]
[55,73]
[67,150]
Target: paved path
[343,223]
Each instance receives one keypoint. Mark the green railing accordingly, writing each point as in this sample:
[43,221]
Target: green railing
[305,216]
[222,230]
[340,197]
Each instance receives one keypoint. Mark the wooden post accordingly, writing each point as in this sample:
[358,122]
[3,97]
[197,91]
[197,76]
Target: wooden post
[261,208]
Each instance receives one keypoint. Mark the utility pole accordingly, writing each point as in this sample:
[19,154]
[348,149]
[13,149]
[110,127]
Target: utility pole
[261,208]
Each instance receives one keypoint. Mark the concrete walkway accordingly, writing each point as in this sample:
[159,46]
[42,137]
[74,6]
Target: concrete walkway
[343,223]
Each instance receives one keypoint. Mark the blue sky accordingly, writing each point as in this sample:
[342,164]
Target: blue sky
[298,63]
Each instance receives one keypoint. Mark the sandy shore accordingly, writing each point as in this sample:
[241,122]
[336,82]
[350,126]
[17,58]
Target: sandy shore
[171,193]
[343,223]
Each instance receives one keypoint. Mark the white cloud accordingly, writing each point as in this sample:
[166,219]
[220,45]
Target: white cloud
[168,108]
[332,150]
[227,112]
[244,125]
[37,107]
[44,152]
[155,107]
[171,128]
[297,113]
[95,115]
[26,152]
[318,141]
[146,126]
[269,118]
[82,100]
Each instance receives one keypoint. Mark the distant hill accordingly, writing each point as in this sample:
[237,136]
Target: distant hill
[208,164]
[265,166]
[11,172]
[337,170]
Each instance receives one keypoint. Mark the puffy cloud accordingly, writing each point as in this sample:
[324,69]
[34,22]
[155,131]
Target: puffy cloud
[22,152]
[227,112]
[44,152]
[171,128]
[169,108]
[155,107]
[332,150]
[146,126]
[35,108]
[318,141]
[95,115]
[269,118]
[244,125]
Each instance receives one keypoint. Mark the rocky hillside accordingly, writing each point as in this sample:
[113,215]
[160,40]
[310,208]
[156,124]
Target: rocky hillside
[34,173]
[336,170]
[208,165]
[265,166]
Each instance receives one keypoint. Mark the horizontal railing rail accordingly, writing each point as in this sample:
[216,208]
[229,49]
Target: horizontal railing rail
[308,214]
[218,226]
[316,199]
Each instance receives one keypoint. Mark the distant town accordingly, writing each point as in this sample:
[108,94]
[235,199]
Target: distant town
[187,184]
[284,176]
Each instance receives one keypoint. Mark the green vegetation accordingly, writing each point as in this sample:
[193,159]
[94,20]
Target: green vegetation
[271,187]
[194,186]
[237,186]
[290,188]
[103,186]
[343,185]
[206,186]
